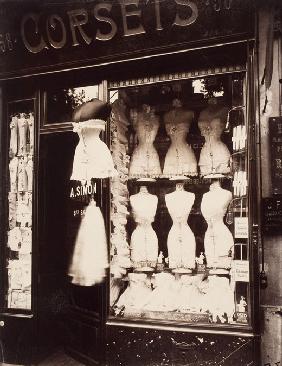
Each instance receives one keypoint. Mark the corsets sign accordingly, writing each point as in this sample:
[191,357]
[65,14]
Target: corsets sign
[99,30]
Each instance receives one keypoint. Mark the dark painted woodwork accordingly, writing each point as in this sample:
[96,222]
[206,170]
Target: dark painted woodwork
[211,22]
[148,347]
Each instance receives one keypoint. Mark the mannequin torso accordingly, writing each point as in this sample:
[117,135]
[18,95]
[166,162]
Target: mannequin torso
[145,159]
[218,238]
[181,241]
[180,158]
[215,156]
[92,158]
[144,241]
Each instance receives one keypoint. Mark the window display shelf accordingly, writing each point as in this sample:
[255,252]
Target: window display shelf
[173,235]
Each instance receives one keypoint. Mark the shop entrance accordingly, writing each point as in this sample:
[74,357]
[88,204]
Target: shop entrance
[70,315]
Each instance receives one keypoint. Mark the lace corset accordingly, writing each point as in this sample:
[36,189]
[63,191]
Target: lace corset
[92,158]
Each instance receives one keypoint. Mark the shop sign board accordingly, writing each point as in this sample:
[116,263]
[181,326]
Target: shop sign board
[240,271]
[272,214]
[241,227]
[275,136]
[40,35]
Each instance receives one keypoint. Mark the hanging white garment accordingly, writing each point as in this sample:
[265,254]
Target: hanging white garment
[92,158]
[90,256]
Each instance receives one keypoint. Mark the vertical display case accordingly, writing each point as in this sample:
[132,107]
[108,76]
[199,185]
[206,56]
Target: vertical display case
[180,218]
[19,188]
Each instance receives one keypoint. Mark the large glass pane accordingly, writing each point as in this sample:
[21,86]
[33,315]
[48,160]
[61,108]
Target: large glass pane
[61,102]
[20,189]
[179,213]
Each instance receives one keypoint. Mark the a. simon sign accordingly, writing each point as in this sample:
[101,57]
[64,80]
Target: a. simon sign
[39,35]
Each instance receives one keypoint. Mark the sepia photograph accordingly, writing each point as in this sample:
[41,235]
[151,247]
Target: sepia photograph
[141,182]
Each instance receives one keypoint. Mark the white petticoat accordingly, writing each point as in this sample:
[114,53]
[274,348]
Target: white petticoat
[90,257]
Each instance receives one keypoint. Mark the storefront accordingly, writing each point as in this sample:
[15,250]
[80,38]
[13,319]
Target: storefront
[181,215]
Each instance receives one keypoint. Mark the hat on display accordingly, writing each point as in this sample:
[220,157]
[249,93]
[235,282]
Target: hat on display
[94,109]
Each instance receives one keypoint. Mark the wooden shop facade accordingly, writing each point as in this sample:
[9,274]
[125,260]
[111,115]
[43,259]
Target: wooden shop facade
[182,285]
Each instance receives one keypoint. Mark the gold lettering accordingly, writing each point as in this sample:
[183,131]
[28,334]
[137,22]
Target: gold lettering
[125,14]
[102,36]
[51,23]
[76,23]
[192,18]
[42,44]
[158,15]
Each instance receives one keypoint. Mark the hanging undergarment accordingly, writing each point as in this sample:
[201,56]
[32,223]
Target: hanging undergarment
[90,257]
[92,158]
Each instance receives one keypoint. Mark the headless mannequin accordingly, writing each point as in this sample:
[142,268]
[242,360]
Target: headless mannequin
[218,238]
[14,137]
[181,243]
[30,122]
[22,128]
[180,158]
[92,158]
[119,109]
[13,169]
[145,160]
[29,172]
[215,156]
[144,241]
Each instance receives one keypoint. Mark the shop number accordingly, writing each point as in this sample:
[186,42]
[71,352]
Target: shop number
[6,43]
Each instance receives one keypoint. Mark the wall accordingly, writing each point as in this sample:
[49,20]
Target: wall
[271,297]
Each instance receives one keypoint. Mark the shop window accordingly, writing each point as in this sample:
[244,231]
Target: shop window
[61,102]
[179,207]
[19,203]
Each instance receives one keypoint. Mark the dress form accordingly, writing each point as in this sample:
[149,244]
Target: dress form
[92,158]
[215,156]
[29,173]
[181,242]
[13,169]
[144,241]
[218,238]
[180,158]
[22,128]
[22,176]
[14,137]
[30,122]
[145,160]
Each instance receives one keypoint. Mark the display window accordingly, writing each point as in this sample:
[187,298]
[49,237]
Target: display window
[19,203]
[179,237]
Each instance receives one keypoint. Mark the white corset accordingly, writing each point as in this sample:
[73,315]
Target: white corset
[144,241]
[218,238]
[145,160]
[181,242]
[180,158]
[92,158]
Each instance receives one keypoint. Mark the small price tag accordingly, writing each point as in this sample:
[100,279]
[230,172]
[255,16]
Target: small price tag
[240,271]
[241,226]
